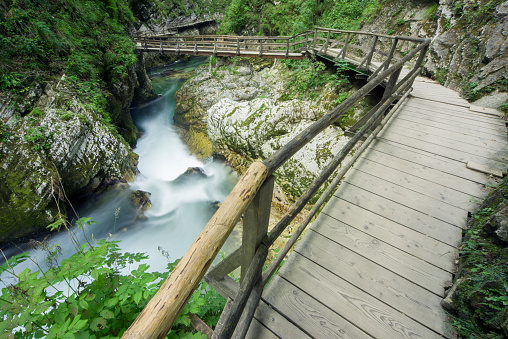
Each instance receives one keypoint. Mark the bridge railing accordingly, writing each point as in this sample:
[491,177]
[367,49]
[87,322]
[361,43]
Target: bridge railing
[251,197]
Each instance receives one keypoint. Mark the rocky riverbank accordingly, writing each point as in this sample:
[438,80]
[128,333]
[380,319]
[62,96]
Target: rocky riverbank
[55,147]
[243,110]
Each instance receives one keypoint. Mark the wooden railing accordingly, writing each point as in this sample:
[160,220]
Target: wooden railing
[251,197]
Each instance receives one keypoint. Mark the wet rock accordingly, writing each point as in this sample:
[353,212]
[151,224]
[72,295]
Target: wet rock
[192,173]
[111,183]
[141,201]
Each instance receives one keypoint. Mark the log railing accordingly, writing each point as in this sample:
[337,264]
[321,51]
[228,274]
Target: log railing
[251,197]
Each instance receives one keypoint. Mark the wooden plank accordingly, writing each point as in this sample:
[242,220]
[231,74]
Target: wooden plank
[258,331]
[453,126]
[448,152]
[484,169]
[441,193]
[427,159]
[409,217]
[452,112]
[427,173]
[444,141]
[275,320]
[493,143]
[414,269]
[404,238]
[374,317]
[456,119]
[486,110]
[313,317]
[384,285]
[429,97]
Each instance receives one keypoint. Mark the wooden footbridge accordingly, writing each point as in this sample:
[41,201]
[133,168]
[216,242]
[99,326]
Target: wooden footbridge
[376,260]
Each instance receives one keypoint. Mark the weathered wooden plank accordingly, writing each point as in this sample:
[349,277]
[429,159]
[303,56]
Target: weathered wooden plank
[484,169]
[449,101]
[275,320]
[451,120]
[431,160]
[430,189]
[361,309]
[454,110]
[315,318]
[407,216]
[404,238]
[489,111]
[384,285]
[454,127]
[451,153]
[489,153]
[427,173]
[414,269]
[491,143]
[258,331]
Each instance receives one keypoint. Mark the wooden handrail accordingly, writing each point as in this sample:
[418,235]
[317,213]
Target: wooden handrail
[161,312]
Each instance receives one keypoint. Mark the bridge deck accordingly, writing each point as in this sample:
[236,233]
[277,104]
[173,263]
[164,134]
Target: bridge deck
[376,260]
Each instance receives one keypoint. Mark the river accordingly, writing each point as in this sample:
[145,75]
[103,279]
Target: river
[179,210]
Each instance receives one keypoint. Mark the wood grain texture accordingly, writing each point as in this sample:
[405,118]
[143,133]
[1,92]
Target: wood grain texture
[426,172]
[158,316]
[358,307]
[430,160]
[302,309]
[441,193]
[397,235]
[399,293]
[410,267]
[407,216]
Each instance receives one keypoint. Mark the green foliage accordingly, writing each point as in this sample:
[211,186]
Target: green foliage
[234,18]
[89,295]
[431,12]
[482,295]
[87,41]
[39,138]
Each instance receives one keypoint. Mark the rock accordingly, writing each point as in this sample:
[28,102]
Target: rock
[111,183]
[497,226]
[141,201]
[192,173]
[492,100]
[244,71]
[448,303]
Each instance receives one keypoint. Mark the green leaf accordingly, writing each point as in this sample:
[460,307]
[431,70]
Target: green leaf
[83,304]
[98,324]
[107,314]
[111,302]
[137,296]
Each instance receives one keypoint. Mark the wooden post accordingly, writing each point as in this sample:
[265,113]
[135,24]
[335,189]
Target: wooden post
[327,42]
[255,223]
[146,46]
[343,52]
[371,53]
[214,46]
[390,55]
[315,38]
[195,46]
[237,46]
[160,48]
[177,47]
[391,84]
[287,48]
[260,47]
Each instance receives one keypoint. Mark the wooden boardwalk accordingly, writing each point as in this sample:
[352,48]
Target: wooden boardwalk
[376,260]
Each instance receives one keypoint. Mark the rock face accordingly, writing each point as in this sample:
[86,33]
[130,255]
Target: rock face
[55,145]
[469,48]
[243,110]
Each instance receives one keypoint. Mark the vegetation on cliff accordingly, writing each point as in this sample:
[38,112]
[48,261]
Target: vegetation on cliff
[40,40]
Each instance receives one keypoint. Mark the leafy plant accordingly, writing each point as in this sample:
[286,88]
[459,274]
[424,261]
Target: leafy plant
[91,294]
